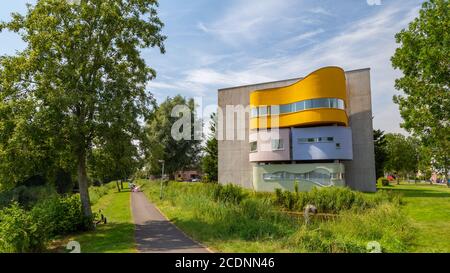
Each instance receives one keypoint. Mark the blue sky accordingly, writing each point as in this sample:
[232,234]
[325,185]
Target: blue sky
[217,44]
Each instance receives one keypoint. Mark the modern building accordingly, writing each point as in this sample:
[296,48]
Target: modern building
[314,131]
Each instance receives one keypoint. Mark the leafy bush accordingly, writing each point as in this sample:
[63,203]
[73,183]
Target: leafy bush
[61,215]
[26,196]
[382,182]
[19,231]
[332,199]
[228,194]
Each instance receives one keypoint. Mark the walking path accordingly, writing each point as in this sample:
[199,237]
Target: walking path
[155,234]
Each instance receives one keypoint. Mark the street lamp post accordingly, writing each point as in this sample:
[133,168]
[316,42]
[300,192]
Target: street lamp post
[162,178]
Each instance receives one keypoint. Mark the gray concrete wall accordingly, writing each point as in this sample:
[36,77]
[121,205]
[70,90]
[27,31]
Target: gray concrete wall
[234,166]
[360,172]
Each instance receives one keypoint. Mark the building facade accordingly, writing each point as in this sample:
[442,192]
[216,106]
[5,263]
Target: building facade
[314,131]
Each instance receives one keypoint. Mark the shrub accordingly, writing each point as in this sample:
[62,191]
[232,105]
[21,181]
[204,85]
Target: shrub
[19,232]
[228,194]
[382,181]
[26,196]
[332,199]
[62,215]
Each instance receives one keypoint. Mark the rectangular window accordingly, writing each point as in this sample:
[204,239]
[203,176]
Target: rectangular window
[285,108]
[320,103]
[253,146]
[308,104]
[263,111]
[254,112]
[341,104]
[274,110]
[334,103]
[299,106]
[311,139]
[277,144]
[338,145]
[330,139]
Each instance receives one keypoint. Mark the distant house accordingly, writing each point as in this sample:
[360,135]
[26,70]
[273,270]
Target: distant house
[187,175]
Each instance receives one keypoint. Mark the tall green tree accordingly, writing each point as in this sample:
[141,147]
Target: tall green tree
[178,154]
[402,156]
[424,59]
[80,79]
[210,158]
[379,140]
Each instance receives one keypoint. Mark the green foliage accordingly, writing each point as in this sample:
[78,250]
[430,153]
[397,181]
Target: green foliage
[382,182]
[256,224]
[228,194]
[177,154]
[79,83]
[20,232]
[25,196]
[30,230]
[210,159]
[61,215]
[97,192]
[423,57]
[402,154]
[379,141]
[351,232]
[331,200]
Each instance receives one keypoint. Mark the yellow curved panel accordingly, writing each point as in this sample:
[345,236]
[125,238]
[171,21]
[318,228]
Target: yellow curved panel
[327,82]
[303,118]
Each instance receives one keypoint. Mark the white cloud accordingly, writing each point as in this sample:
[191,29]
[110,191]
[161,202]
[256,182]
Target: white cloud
[246,21]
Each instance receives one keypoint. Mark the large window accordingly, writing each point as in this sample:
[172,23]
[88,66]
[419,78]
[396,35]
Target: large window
[286,108]
[262,111]
[253,146]
[254,112]
[331,103]
[277,144]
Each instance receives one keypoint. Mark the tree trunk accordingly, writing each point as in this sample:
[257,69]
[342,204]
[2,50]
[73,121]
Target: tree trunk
[83,186]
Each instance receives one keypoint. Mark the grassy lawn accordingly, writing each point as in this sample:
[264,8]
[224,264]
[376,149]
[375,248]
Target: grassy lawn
[429,207]
[257,224]
[117,236]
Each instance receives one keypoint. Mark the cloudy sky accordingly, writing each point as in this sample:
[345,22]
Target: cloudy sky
[217,44]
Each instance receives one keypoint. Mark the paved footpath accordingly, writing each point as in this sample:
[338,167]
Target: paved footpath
[155,234]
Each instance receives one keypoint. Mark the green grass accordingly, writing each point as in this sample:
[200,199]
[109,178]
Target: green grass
[257,224]
[117,236]
[429,208]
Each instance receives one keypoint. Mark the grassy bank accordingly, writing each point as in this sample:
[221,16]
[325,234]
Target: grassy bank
[255,223]
[429,208]
[117,236]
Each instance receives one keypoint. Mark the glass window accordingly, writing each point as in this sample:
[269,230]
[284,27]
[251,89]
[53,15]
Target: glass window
[341,104]
[254,112]
[302,140]
[334,103]
[274,110]
[285,108]
[299,106]
[262,111]
[277,144]
[311,139]
[320,103]
[331,139]
[253,146]
[308,104]
[338,145]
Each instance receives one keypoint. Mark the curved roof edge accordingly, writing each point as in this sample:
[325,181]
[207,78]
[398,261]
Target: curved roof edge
[294,80]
